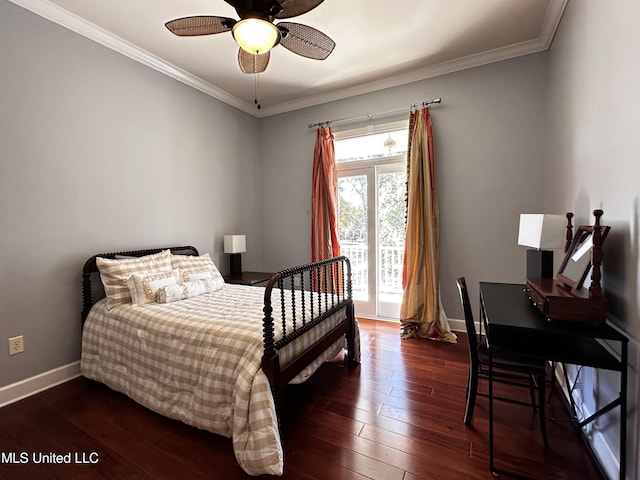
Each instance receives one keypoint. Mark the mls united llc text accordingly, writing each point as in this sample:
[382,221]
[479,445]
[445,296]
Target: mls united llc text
[51,457]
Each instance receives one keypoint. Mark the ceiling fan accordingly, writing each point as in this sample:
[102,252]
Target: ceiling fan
[256,34]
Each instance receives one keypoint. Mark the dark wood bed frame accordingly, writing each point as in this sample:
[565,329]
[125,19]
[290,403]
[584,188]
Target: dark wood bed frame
[332,278]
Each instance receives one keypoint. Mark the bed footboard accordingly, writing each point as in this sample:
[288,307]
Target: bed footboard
[309,295]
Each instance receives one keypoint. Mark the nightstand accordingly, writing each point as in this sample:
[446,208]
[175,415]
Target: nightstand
[249,278]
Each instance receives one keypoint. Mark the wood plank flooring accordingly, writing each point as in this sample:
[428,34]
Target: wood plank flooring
[396,417]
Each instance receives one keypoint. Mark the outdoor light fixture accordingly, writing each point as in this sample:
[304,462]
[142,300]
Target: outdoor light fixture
[389,144]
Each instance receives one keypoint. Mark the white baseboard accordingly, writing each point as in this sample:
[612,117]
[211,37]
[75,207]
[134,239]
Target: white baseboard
[30,386]
[458,325]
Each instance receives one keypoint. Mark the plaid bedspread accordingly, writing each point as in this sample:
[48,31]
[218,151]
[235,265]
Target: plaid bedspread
[199,361]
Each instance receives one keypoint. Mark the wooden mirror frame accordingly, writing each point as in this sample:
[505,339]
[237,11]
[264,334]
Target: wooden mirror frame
[598,233]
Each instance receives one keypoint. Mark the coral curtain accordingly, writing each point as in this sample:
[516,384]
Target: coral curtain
[421,312]
[324,200]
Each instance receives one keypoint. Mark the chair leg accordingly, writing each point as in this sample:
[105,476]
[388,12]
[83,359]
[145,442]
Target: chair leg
[472,390]
[541,404]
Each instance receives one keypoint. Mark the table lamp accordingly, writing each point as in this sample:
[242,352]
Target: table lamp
[544,233]
[235,245]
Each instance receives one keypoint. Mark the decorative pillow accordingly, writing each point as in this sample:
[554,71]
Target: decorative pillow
[114,274]
[196,268]
[182,291]
[143,288]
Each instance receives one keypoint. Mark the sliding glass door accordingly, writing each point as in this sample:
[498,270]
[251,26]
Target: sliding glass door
[371,230]
[371,214]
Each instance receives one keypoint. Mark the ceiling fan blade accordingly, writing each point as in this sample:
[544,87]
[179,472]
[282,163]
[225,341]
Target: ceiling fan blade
[305,40]
[293,8]
[199,25]
[250,63]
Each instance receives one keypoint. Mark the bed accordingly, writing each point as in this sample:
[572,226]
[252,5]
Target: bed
[161,326]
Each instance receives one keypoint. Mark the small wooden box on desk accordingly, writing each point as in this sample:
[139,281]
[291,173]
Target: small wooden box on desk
[559,302]
[249,278]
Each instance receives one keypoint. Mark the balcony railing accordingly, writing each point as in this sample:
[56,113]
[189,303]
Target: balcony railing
[389,268]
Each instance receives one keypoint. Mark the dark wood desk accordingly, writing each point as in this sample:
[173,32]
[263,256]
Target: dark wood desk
[513,324]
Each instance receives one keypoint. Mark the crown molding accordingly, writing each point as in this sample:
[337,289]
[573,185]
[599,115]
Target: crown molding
[56,14]
[76,24]
[463,63]
[551,21]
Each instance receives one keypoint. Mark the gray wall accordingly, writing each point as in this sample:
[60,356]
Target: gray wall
[489,158]
[593,161]
[99,153]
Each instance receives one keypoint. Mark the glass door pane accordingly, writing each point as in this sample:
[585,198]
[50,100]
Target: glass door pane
[391,183]
[353,233]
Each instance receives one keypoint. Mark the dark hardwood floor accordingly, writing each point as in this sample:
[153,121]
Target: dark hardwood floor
[397,417]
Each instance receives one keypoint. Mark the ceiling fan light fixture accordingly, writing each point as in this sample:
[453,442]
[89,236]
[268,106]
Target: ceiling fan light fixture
[255,35]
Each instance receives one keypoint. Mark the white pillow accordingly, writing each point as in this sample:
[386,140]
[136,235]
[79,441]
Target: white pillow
[114,274]
[182,291]
[196,267]
[143,288]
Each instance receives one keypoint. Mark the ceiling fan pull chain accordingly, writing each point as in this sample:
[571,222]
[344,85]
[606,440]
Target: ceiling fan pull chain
[255,90]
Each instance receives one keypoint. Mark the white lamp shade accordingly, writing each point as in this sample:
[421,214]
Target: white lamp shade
[542,231]
[235,244]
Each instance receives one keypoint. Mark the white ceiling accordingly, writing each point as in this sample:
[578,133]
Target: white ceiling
[379,43]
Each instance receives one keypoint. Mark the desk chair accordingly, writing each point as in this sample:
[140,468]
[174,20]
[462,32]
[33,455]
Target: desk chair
[507,369]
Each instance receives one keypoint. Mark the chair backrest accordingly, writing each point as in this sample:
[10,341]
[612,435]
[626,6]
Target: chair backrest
[468,320]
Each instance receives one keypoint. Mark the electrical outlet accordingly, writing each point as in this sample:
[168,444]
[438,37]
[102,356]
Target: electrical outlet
[16,345]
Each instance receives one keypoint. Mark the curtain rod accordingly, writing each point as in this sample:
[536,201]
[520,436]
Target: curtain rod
[370,116]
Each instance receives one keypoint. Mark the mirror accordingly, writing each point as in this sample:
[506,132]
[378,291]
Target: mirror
[577,262]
